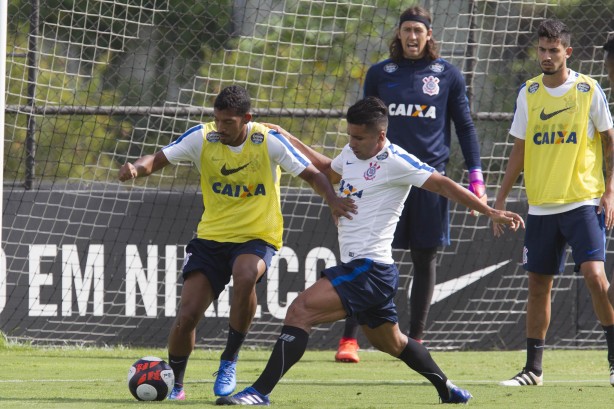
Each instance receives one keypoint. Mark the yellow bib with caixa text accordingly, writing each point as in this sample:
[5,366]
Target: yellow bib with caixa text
[241,191]
[562,164]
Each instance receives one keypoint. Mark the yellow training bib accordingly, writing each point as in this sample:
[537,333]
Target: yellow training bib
[562,164]
[240,195]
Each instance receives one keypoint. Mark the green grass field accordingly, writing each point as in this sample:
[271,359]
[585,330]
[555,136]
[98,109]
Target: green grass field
[96,379]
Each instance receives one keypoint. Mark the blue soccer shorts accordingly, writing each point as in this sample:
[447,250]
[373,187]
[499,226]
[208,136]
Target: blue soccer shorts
[215,259]
[366,290]
[546,237]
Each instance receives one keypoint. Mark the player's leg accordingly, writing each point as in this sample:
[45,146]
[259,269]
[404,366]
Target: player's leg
[196,296]
[427,226]
[597,284]
[586,230]
[422,288]
[388,338]
[251,260]
[610,331]
[318,304]
[246,271]
[543,255]
[348,344]
[537,323]
[538,319]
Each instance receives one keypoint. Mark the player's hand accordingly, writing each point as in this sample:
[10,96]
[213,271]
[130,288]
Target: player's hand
[606,206]
[342,207]
[497,227]
[281,131]
[276,128]
[127,171]
[502,218]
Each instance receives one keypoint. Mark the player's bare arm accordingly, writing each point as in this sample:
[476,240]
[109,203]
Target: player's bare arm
[515,165]
[144,166]
[445,186]
[320,161]
[607,200]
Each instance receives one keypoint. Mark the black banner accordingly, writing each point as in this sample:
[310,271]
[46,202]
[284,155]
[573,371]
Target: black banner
[104,267]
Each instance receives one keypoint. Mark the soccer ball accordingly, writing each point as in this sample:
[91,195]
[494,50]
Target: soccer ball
[150,378]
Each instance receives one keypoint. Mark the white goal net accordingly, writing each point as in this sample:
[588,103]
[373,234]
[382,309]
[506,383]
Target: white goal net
[92,84]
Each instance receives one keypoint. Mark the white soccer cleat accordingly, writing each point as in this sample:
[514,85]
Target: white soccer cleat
[526,378]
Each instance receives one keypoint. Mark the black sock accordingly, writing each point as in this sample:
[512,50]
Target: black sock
[418,358]
[535,352]
[609,337]
[423,285]
[233,344]
[351,328]
[178,365]
[288,350]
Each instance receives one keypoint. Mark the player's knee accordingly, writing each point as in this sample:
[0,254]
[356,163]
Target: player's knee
[244,281]
[186,320]
[296,310]
[298,313]
[539,285]
[596,280]
[390,345]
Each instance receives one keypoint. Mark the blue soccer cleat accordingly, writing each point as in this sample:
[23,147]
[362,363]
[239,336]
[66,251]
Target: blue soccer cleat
[248,396]
[456,394]
[177,394]
[226,378]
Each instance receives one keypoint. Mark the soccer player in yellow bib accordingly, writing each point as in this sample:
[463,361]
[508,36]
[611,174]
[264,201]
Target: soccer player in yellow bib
[563,135]
[608,48]
[241,228]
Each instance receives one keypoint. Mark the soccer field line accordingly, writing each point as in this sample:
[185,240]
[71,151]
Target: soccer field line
[339,382]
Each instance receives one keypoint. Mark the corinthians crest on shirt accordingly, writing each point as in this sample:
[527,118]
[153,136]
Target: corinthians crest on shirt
[370,172]
[431,85]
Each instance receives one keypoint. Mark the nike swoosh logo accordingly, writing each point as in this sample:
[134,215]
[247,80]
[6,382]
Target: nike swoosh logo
[544,116]
[349,163]
[393,84]
[448,288]
[227,172]
[591,252]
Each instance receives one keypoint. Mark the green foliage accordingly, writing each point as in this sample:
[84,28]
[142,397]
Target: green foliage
[306,60]
[314,55]
[67,146]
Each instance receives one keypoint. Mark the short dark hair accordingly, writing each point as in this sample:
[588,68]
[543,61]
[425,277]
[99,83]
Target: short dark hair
[555,30]
[370,111]
[233,97]
[396,48]
[608,47]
